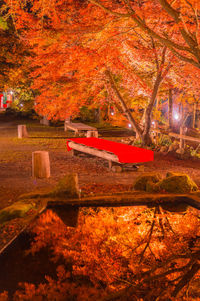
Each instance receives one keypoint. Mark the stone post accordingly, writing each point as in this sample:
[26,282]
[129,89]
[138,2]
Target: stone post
[22,131]
[40,164]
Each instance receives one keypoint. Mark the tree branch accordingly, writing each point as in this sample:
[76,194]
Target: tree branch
[123,104]
[97,3]
[186,278]
[149,235]
[193,47]
[184,32]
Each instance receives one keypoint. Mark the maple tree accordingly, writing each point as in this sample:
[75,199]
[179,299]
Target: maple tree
[157,67]
[88,60]
[6,63]
[14,59]
[175,25]
[182,17]
[87,40]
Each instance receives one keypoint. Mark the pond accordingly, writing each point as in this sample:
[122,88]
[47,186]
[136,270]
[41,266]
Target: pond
[137,252]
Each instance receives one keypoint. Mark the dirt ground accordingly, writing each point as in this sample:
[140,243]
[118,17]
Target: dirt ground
[93,173]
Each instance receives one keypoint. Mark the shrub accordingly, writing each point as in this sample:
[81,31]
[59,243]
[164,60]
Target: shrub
[164,140]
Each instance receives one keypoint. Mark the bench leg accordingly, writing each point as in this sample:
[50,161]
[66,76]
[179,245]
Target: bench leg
[116,168]
[70,153]
[110,164]
[76,133]
[92,134]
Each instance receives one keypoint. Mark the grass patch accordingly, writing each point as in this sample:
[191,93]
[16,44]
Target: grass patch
[10,156]
[106,126]
[42,142]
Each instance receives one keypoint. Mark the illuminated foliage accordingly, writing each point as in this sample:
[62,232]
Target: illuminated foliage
[83,49]
[120,253]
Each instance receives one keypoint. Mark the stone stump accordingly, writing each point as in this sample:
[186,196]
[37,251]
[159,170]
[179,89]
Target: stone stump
[44,121]
[40,164]
[66,122]
[22,131]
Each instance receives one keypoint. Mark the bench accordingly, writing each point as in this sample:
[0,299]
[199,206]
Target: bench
[118,153]
[81,127]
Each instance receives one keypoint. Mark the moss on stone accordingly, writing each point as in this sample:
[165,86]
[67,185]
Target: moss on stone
[66,187]
[141,182]
[16,210]
[177,183]
[152,187]
[173,183]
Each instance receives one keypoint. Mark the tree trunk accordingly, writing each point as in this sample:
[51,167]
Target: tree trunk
[147,125]
[170,104]
[142,122]
[40,164]
[22,132]
[126,111]
[181,144]
[194,115]
[99,115]
[144,135]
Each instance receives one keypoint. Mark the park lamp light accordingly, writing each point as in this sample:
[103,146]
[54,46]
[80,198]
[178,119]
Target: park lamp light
[112,112]
[11,92]
[176,116]
[129,125]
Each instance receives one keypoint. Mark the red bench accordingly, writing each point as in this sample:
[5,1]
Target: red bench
[119,153]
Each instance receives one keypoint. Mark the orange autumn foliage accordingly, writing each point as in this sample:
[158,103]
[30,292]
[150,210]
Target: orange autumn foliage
[80,45]
[129,253]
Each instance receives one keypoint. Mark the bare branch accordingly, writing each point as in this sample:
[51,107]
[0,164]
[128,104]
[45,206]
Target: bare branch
[123,104]
[186,278]
[156,54]
[97,3]
[189,38]
[150,234]
[193,46]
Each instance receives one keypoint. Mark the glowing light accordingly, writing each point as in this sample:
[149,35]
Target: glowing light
[129,125]
[153,122]
[112,113]
[176,116]
[11,92]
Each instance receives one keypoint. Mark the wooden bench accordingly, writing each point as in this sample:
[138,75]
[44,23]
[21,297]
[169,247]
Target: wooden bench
[81,127]
[118,153]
